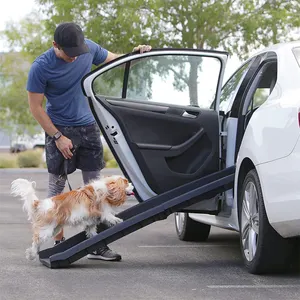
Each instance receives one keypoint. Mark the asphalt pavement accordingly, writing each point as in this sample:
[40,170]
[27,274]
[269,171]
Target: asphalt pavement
[155,265]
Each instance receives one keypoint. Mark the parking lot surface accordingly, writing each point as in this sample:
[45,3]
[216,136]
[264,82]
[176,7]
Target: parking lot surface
[155,265]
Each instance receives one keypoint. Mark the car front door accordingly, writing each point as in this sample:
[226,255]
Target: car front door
[154,110]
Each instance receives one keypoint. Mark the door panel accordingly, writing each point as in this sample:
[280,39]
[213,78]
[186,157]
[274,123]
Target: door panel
[167,159]
[159,142]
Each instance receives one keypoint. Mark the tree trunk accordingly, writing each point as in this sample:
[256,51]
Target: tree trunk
[193,86]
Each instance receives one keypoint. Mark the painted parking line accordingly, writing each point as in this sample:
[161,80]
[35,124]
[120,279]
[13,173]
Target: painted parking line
[287,286]
[187,246]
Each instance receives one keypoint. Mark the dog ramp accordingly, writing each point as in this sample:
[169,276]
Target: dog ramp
[139,216]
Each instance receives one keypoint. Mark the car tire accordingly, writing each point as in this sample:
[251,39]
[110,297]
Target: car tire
[189,230]
[263,249]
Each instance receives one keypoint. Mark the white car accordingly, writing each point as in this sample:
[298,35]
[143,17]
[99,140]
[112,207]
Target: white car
[169,121]
[23,142]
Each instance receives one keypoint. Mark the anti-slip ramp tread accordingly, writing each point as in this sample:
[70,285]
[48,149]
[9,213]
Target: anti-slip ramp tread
[139,216]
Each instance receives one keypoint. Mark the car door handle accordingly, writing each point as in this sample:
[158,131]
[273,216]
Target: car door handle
[188,115]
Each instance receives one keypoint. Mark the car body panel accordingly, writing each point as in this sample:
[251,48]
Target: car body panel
[280,185]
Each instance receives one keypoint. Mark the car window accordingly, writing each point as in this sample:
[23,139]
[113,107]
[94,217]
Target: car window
[171,79]
[230,88]
[296,52]
[260,96]
[110,83]
[263,85]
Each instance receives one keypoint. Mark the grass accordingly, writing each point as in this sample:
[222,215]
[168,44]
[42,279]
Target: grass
[30,159]
[8,160]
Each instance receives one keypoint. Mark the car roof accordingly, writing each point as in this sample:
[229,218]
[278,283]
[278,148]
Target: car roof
[280,47]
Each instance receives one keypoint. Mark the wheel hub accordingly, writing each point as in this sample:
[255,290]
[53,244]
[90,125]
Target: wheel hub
[179,218]
[250,221]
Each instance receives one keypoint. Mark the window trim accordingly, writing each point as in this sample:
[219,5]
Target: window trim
[250,61]
[253,85]
[260,60]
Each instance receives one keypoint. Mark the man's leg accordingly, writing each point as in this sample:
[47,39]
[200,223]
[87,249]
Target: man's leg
[88,176]
[90,159]
[55,164]
[103,253]
[56,186]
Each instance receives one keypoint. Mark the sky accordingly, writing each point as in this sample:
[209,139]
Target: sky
[15,10]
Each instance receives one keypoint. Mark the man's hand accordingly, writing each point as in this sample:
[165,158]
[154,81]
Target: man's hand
[65,145]
[112,56]
[142,48]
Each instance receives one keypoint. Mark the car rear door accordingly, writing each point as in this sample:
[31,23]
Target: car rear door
[154,110]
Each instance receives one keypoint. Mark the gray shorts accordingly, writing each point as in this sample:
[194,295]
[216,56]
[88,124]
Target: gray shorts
[88,155]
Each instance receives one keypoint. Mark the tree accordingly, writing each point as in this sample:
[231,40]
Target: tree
[234,25]
[28,36]
[238,26]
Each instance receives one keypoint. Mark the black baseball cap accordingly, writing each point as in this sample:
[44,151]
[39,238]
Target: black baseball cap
[70,38]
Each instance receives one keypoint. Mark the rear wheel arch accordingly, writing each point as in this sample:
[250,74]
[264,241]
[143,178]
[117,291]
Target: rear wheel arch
[246,166]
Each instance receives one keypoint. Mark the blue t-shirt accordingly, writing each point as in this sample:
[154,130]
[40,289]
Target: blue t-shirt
[61,83]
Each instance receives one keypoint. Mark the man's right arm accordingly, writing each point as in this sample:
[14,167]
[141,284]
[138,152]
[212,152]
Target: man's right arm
[35,104]
[36,107]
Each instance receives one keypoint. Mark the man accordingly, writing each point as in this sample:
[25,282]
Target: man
[68,122]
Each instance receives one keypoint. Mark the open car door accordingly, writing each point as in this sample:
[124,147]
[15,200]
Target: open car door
[158,112]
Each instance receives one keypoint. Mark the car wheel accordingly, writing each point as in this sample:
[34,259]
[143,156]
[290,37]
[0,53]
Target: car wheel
[263,249]
[189,230]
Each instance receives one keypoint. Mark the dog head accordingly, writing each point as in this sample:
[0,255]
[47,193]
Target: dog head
[118,188]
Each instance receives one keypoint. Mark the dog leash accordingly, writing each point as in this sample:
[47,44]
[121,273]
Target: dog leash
[66,173]
[65,170]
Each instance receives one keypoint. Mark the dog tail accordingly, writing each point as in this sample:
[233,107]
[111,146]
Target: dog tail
[25,189]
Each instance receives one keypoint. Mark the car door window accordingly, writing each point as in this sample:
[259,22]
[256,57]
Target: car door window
[110,83]
[230,88]
[168,79]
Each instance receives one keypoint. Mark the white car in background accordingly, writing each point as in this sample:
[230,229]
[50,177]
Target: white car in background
[23,142]
[169,121]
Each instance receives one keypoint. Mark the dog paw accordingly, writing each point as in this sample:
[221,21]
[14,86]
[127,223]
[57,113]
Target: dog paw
[30,254]
[90,234]
[115,221]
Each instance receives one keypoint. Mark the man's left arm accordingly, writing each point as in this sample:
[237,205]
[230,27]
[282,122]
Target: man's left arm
[141,48]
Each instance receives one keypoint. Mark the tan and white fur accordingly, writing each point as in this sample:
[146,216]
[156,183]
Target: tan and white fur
[88,206]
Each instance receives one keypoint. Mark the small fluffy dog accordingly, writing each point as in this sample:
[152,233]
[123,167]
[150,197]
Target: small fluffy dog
[87,206]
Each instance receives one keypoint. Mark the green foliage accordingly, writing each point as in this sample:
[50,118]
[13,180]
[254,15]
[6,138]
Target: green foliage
[236,25]
[109,159]
[8,161]
[14,105]
[112,164]
[107,155]
[30,36]
[30,159]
